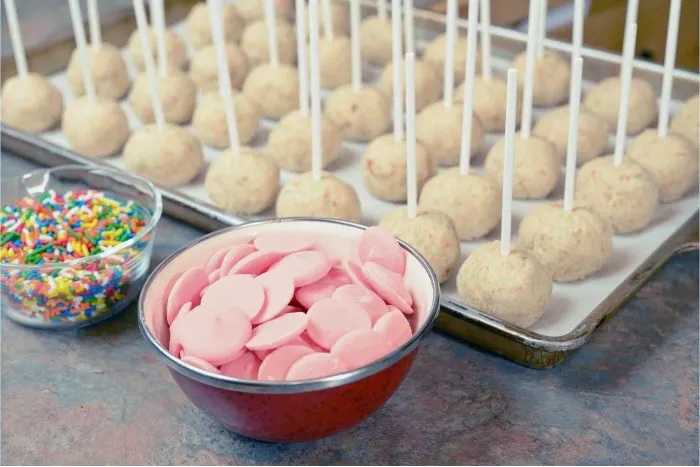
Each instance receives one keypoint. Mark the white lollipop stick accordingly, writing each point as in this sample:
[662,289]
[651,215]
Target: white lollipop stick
[142,26]
[506,210]
[572,143]
[94,20]
[632,12]
[577,33]
[272,33]
[316,148]
[411,175]
[327,20]
[542,28]
[303,66]
[355,45]
[486,39]
[674,16]
[468,100]
[158,20]
[531,56]
[625,79]
[76,18]
[408,18]
[381,10]
[450,31]
[16,36]
[396,69]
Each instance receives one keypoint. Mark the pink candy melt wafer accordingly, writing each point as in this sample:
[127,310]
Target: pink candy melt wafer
[389,286]
[284,242]
[395,327]
[360,347]
[367,299]
[214,276]
[256,263]
[323,288]
[242,290]
[234,255]
[185,289]
[245,366]
[277,364]
[279,290]
[355,274]
[214,334]
[199,363]
[278,331]
[305,267]
[331,319]
[379,246]
[215,260]
[315,365]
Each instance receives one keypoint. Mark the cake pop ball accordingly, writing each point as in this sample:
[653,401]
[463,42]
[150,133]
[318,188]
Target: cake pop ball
[489,103]
[30,103]
[253,10]
[603,101]
[204,68]
[358,116]
[536,166]
[592,133]
[209,120]
[178,94]
[329,197]
[107,68]
[515,288]
[289,143]
[428,85]
[434,56]
[340,19]
[672,161]
[254,42]
[174,47]
[439,131]
[625,196]
[273,90]
[383,167]
[335,61]
[375,40]
[472,202]
[431,233]
[572,245]
[198,24]
[246,182]
[95,129]
[169,157]
[551,80]
[685,122]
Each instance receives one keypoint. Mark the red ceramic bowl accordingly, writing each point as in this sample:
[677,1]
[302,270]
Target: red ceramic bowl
[288,411]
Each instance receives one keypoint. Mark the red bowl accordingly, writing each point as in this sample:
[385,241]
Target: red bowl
[288,411]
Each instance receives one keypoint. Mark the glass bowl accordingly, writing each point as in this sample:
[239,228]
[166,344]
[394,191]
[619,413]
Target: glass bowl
[84,291]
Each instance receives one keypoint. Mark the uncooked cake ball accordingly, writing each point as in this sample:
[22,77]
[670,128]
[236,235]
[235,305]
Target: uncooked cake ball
[246,182]
[169,157]
[439,131]
[592,133]
[209,120]
[289,143]
[199,27]
[572,245]
[174,47]
[204,68]
[428,85]
[383,168]
[551,81]
[489,103]
[672,161]
[358,116]
[375,40]
[254,42]
[273,90]
[604,101]
[472,202]
[334,61]
[434,55]
[178,93]
[685,122]
[514,288]
[108,71]
[95,129]
[625,197]
[535,166]
[431,233]
[31,103]
[329,198]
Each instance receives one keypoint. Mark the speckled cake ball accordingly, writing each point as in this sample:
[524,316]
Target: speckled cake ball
[358,116]
[31,103]
[514,288]
[178,94]
[375,40]
[199,27]
[572,245]
[434,55]
[95,129]
[604,101]
[169,157]
[289,143]
[625,197]
[329,197]
[209,120]
[254,42]
[383,167]
[472,202]
[428,85]
[335,64]
[489,103]
[108,71]
[439,131]
[246,182]
[592,133]
[174,47]
[273,90]
[551,81]
[204,68]
[685,122]
[432,233]
[672,161]
[535,166]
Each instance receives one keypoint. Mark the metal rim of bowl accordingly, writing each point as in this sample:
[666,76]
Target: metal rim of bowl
[288,387]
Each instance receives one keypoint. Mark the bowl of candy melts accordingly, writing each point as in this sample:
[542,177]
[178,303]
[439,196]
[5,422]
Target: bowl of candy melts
[76,244]
[290,329]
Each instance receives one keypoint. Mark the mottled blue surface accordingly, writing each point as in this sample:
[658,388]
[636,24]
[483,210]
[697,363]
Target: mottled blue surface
[628,397]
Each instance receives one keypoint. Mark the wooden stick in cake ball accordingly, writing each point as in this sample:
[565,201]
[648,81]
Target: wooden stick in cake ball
[375,34]
[335,52]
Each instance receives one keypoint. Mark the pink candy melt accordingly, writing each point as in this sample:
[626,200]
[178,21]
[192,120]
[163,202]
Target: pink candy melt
[367,299]
[331,319]
[185,289]
[234,255]
[379,246]
[256,263]
[395,327]
[215,260]
[315,365]
[278,332]
[389,286]
[199,363]
[279,290]
[245,366]
[360,347]
[323,288]
[305,267]
[278,362]
[242,290]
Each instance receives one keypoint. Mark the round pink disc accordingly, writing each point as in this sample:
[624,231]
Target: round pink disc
[244,291]
[277,364]
[323,288]
[214,276]
[315,365]
[367,299]
[331,319]
[235,254]
[185,289]
[355,274]
[201,364]
[245,366]
[395,328]
[379,246]
[215,260]
[279,290]
[278,331]
[389,286]
[360,347]
[284,242]
[256,263]
[306,267]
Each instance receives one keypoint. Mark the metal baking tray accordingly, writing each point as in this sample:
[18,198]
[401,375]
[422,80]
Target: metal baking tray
[530,347]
